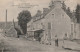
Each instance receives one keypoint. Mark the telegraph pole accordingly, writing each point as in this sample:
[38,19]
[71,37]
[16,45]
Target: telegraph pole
[5,22]
[6,19]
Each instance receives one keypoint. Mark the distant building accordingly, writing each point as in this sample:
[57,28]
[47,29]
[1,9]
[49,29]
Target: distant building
[9,29]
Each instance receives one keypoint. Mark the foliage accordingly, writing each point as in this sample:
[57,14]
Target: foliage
[64,6]
[23,18]
[69,12]
[77,13]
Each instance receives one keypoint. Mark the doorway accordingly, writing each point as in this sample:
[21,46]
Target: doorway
[38,35]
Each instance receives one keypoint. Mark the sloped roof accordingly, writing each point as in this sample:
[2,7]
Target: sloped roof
[2,25]
[8,25]
[10,28]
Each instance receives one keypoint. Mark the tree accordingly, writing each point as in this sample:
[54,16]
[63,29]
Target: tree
[23,18]
[69,12]
[64,6]
[77,13]
[68,9]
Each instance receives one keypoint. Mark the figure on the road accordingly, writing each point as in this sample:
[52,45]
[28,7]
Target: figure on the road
[41,41]
[56,41]
[65,37]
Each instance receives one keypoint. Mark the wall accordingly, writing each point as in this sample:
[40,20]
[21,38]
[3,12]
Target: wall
[77,31]
[60,23]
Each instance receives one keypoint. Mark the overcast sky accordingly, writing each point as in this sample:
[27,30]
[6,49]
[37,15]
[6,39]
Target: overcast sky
[13,11]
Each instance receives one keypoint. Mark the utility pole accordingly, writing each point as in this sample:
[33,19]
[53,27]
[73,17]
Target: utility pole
[6,19]
[5,26]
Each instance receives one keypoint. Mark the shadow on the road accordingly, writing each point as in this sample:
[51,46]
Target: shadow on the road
[9,50]
[76,40]
[6,48]
[71,49]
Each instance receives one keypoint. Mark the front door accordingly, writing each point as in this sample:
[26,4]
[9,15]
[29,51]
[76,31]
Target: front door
[38,35]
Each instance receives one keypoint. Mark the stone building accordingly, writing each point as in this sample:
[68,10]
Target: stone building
[53,22]
[9,29]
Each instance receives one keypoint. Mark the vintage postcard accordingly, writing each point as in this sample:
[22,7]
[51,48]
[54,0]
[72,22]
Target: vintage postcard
[39,25]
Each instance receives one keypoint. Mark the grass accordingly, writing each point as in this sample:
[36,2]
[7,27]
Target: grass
[6,48]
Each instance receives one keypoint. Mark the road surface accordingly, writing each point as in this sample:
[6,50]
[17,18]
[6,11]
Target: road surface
[24,45]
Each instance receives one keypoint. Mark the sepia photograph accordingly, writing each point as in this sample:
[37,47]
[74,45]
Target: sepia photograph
[39,25]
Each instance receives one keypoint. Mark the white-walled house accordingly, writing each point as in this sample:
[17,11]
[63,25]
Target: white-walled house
[53,22]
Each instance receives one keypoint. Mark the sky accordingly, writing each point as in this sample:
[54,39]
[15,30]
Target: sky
[13,11]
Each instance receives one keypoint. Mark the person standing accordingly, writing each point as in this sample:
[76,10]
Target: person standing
[56,41]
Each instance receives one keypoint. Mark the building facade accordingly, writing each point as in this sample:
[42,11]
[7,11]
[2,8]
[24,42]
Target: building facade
[53,22]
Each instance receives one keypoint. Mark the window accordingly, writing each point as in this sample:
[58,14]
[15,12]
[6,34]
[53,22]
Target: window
[49,31]
[71,27]
[62,15]
[52,14]
[49,25]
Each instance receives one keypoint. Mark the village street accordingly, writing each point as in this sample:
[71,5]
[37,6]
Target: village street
[24,45]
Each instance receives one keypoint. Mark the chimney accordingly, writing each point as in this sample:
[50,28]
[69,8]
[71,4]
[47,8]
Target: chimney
[45,11]
[51,4]
[38,13]
[56,3]
[6,19]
